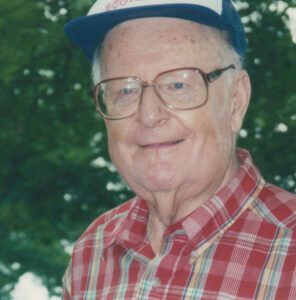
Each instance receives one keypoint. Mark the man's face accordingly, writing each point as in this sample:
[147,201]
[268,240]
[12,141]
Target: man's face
[157,149]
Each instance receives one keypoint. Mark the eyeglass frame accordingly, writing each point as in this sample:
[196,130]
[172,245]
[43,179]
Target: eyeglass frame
[207,77]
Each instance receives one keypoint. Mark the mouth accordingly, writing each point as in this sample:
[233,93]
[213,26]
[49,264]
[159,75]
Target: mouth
[162,145]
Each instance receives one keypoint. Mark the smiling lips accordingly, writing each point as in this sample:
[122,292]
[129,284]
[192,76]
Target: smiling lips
[161,145]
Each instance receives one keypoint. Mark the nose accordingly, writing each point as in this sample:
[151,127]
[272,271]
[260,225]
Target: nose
[152,112]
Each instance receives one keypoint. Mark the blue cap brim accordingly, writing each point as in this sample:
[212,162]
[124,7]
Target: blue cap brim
[89,31]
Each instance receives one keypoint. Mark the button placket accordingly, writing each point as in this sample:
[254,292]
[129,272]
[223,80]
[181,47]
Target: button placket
[156,282]
[149,280]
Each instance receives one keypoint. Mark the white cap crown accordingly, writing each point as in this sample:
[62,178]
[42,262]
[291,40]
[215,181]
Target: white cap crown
[101,6]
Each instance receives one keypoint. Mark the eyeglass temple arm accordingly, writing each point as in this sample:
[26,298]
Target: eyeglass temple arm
[212,76]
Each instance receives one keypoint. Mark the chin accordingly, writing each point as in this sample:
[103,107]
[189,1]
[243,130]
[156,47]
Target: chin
[157,181]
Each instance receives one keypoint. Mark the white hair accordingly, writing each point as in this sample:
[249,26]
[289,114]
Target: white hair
[96,65]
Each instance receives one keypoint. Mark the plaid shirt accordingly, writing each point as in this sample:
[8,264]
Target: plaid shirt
[241,244]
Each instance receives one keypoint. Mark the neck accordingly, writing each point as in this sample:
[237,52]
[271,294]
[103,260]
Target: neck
[166,208]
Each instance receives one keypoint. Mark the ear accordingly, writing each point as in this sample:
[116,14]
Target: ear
[240,97]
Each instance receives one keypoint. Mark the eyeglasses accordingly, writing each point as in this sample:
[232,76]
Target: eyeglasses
[178,89]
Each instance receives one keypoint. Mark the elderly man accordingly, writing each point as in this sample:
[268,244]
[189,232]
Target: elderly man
[204,224]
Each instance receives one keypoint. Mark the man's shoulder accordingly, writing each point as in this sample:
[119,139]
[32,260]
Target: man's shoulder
[278,205]
[111,218]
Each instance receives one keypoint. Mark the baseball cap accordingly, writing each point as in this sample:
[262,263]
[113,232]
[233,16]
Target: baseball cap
[89,31]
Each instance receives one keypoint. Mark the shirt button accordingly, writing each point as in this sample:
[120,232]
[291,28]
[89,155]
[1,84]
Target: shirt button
[156,282]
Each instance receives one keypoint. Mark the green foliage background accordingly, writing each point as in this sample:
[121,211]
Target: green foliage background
[50,135]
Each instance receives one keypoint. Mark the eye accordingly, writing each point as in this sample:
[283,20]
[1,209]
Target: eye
[126,94]
[177,85]
[127,91]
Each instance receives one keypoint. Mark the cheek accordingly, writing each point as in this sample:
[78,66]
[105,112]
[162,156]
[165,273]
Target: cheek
[114,138]
[118,145]
[117,131]
[221,113]
[111,146]
[212,130]
[203,122]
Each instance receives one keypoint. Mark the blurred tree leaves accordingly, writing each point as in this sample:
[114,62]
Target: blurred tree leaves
[49,134]
[49,191]
[271,119]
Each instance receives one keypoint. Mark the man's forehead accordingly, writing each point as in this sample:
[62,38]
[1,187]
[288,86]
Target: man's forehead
[170,30]
[161,44]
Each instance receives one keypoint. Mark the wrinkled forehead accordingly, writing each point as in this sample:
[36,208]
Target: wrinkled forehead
[140,33]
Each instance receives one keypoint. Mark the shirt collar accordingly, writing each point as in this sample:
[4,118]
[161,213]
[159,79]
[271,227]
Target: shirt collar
[128,228]
[213,217]
[203,224]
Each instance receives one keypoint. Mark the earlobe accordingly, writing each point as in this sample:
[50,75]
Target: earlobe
[241,93]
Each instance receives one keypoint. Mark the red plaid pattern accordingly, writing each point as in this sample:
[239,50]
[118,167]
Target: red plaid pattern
[241,244]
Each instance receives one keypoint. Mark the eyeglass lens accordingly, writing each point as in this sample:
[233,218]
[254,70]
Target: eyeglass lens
[178,89]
